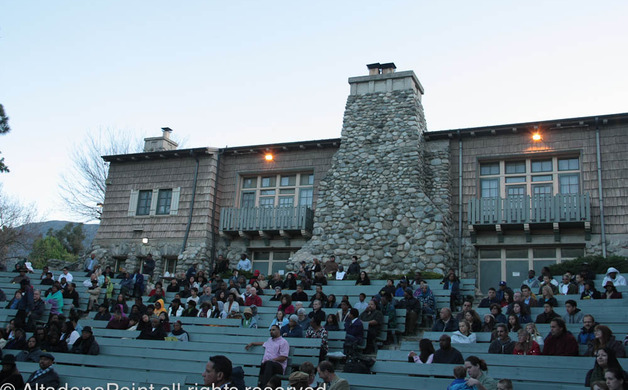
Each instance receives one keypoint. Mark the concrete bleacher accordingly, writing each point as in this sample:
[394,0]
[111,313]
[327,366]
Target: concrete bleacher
[123,358]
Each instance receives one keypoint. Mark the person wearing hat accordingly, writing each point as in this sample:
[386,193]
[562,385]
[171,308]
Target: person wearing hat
[191,310]
[45,375]
[86,344]
[249,320]
[299,380]
[612,275]
[10,374]
[503,288]
[21,276]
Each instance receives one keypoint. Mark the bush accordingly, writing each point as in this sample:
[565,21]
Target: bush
[597,264]
[49,248]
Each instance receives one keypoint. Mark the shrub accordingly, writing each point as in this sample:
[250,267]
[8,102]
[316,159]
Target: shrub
[597,264]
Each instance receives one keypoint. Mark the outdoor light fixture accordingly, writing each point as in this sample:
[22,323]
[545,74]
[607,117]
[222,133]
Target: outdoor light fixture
[145,240]
[536,137]
[268,157]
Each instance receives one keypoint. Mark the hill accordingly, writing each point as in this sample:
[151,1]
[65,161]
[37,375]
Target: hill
[41,228]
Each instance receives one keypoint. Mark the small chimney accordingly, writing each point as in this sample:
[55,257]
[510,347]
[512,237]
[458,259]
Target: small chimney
[159,144]
[388,68]
[377,68]
[374,69]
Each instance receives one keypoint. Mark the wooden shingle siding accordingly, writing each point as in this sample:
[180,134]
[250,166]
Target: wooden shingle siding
[614,143]
[127,177]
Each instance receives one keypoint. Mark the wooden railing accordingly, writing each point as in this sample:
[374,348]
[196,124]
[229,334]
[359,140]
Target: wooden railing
[266,218]
[530,209]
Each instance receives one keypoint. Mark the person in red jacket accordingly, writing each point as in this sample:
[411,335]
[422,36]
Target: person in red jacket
[560,342]
[253,299]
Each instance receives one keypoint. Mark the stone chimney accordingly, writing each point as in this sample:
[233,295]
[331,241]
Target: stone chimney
[373,202]
[158,144]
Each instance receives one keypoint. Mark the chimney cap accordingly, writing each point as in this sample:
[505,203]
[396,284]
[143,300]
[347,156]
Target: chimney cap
[375,65]
[388,65]
[167,129]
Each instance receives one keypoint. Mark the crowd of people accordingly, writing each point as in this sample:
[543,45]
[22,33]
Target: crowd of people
[300,313]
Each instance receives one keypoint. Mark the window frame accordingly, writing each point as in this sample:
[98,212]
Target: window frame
[540,177]
[274,190]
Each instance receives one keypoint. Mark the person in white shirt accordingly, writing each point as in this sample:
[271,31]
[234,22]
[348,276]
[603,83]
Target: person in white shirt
[361,305]
[463,335]
[244,264]
[67,275]
[612,275]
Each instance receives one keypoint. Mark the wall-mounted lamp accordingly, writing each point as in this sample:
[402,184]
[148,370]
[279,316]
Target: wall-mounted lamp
[145,240]
[269,157]
[536,137]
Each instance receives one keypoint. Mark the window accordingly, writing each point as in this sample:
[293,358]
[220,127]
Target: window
[282,190]
[159,202]
[490,188]
[269,262]
[143,203]
[170,265]
[512,264]
[489,169]
[545,177]
[569,183]
[163,201]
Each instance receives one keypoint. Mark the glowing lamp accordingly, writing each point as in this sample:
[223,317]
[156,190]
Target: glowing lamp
[536,137]
[268,157]
[145,240]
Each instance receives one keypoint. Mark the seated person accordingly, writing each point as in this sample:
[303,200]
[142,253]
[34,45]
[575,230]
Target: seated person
[86,344]
[445,322]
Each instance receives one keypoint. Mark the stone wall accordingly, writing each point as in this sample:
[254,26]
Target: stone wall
[374,203]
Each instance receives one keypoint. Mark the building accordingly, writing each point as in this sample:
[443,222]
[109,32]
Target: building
[492,202]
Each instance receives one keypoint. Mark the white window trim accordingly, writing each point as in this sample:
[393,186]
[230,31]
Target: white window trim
[174,203]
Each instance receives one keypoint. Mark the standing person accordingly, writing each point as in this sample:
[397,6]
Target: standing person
[90,264]
[316,331]
[45,376]
[354,267]
[477,370]
[375,319]
[326,372]
[354,331]
[275,358]
[218,372]
[453,284]
[149,265]
[245,265]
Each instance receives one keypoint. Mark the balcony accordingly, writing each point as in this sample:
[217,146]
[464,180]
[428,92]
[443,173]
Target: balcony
[266,221]
[554,211]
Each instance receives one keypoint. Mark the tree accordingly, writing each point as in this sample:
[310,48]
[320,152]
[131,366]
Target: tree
[49,247]
[83,186]
[4,128]
[71,236]
[14,223]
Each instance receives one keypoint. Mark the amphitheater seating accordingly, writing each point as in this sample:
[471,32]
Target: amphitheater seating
[144,362]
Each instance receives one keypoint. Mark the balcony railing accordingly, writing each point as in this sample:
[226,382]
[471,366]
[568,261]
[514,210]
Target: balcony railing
[530,209]
[266,218]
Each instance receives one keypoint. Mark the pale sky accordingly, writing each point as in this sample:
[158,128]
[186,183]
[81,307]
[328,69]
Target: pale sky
[228,73]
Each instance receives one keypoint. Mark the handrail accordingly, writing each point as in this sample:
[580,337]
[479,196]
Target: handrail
[530,209]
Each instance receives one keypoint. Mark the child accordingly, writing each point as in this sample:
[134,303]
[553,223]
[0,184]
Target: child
[459,383]
[504,384]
